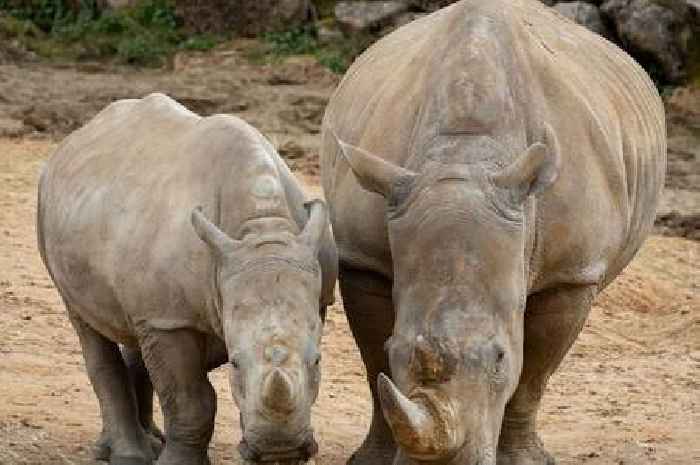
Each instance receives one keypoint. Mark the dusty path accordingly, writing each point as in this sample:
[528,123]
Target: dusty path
[284,100]
[628,393]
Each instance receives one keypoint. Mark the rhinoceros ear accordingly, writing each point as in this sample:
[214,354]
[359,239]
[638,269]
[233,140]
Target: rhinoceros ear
[216,239]
[316,226]
[373,173]
[534,171]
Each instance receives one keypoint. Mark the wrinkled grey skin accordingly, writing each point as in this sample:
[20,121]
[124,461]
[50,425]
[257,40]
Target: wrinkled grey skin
[187,240]
[488,170]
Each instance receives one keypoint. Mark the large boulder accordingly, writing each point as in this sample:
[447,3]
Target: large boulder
[244,17]
[657,33]
[554,2]
[430,5]
[353,17]
[585,14]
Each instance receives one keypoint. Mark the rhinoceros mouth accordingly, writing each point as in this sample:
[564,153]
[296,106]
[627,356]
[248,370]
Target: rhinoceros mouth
[301,454]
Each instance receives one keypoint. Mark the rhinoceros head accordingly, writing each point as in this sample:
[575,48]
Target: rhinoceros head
[459,241]
[269,284]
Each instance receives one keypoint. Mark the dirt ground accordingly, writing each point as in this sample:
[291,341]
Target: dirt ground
[627,393]
[285,100]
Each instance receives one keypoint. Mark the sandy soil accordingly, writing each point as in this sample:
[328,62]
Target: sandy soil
[626,394]
[284,100]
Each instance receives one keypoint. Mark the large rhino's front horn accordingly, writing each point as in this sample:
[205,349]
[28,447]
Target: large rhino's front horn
[424,427]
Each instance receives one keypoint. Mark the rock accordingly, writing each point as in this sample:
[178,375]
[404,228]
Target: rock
[362,16]
[408,17]
[584,14]
[10,127]
[401,20]
[694,6]
[291,150]
[430,5]
[683,107]
[554,2]
[245,17]
[116,4]
[328,33]
[656,33]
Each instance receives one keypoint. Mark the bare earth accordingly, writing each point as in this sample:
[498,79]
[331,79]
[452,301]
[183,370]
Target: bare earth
[627,393]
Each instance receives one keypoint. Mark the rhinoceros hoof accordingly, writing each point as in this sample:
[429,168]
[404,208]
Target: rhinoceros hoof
[534,455]
[373,454]
[156,441]
[103,451]
[117,460]
[174,455]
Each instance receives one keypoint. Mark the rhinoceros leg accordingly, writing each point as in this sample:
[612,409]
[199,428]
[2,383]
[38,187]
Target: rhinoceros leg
[123,441]
[143,389]
[177,364]
[370,312]
[553,320]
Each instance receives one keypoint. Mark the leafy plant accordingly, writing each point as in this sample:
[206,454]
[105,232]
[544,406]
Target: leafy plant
[200,42]
[298,41]
[336,56]
[141,35]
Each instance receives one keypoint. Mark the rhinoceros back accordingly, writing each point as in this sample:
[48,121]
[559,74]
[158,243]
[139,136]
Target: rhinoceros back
[502,69]
[115,204]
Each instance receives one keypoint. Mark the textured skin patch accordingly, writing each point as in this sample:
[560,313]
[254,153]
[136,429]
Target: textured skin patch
[266,187]
[267,194]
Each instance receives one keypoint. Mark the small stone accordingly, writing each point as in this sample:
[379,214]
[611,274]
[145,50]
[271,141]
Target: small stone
[584,14]
[358,17]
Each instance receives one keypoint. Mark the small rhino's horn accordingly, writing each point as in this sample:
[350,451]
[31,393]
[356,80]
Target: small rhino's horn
[278,393]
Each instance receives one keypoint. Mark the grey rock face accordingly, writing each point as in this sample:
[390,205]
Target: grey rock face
[245,17]
[585,14]
[654,31]
[554,2]
[430,5]
[694,6]
[354,17]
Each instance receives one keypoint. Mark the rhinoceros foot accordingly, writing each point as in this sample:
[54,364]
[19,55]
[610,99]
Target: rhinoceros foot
[374,451]
[533,454]
[156,439]
[176,454]
[116,460]
[103,450]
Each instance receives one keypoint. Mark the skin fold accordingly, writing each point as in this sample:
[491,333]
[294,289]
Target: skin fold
[187,241]
[506,165]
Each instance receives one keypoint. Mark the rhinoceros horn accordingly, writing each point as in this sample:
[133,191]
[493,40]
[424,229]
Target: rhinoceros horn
[316,225]
[277,392]
[374,174]
[216,239]
[423,431]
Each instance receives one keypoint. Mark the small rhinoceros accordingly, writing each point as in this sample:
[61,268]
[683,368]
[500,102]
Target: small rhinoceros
[187,240]
[488,170]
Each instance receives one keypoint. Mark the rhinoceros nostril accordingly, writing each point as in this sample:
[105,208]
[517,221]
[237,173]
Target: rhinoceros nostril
[276,355]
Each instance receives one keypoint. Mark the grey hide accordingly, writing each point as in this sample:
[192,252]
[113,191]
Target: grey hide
[187,240]
[489,169]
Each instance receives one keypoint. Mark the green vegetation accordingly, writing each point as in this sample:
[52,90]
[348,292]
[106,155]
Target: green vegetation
[147,33]
[336,55]
[141,35]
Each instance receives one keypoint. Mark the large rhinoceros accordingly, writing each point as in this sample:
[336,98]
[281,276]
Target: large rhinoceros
[488,169]
[244,280]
